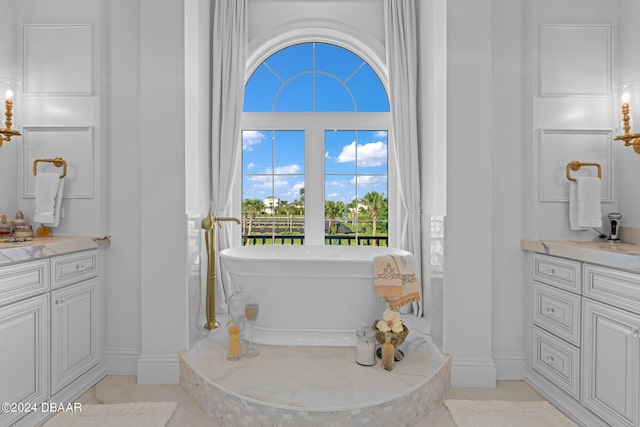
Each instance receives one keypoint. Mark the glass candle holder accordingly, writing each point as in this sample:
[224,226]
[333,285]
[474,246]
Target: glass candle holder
[365,347]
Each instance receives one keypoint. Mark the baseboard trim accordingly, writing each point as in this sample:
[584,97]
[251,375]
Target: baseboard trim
[158,369]
[510,366]
[473,373]
[121,361]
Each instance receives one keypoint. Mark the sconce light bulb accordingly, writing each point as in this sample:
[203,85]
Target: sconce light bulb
[625,97]
[9,94]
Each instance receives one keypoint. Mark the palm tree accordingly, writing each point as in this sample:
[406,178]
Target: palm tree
[374,203]
[252,208]
[333,210]
[290,209]
[354,208]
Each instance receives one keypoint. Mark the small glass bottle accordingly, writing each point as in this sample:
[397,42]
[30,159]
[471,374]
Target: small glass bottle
[235,350]
[365,347]
[388,352]
[5,227]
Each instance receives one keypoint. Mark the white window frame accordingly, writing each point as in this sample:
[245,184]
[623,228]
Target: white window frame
[314,125]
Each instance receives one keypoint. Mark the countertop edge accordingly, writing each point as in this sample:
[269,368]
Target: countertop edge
[615,255]
[44,247]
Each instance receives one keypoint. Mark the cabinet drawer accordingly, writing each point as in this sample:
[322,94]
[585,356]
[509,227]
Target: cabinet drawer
[559,272]
[556,360]
[615,287]
[67,269]
[557,311]
[23,280]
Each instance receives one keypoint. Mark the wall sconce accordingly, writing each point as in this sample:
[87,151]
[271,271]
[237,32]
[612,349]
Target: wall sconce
[9,88]
[628,93]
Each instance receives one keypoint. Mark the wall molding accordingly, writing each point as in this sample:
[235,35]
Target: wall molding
[554,58]
[47,70]
[75,144]
[595,145]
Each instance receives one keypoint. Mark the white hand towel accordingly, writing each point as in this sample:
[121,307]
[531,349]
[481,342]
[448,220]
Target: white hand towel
[49,188]
[584,203]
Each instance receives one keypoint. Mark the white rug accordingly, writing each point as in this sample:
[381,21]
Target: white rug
[141,414]
[495,413]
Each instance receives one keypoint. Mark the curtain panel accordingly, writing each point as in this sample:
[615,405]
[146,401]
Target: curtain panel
[402,66]
[228,64]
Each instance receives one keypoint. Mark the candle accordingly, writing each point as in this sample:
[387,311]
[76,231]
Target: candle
[234,351]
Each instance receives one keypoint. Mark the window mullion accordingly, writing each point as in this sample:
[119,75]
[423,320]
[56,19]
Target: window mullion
[314,184]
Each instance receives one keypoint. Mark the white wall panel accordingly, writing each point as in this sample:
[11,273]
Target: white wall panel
[575,60]
[56,110]
[575,112]
[559,147]
[58,59]
[76,145]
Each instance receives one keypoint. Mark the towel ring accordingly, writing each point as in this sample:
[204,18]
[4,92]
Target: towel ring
[58,162]
[576,165]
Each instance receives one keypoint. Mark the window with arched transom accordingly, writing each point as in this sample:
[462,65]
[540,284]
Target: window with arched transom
[315,132]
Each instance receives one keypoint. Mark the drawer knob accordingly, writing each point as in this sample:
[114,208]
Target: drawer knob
[79,267]
[636,333]
[549,359]
[60,302]
[551,310]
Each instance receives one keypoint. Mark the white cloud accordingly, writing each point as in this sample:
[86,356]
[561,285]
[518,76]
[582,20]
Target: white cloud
[263,181]
[370,154]
[251,165]
[371,180]
[381,134]
[297,187]
[251,138]
[287,169]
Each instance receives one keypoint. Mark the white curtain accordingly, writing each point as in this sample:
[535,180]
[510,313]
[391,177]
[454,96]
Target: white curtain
[402,65]
[228,63]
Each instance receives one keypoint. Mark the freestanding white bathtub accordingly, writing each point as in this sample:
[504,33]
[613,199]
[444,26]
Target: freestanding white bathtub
[308,295]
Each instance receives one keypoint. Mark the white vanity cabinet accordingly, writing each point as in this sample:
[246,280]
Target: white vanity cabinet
[51,333]
[585,339]
[75,317]
[611,344]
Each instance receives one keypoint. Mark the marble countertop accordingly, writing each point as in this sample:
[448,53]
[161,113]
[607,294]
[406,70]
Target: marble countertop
[42,247]
[623,256]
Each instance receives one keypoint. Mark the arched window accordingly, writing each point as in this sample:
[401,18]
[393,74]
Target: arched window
[314,166]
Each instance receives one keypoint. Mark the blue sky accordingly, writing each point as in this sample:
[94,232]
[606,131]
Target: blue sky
[322,78]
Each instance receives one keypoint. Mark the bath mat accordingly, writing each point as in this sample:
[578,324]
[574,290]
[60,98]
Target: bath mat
[140,414]
[495,413]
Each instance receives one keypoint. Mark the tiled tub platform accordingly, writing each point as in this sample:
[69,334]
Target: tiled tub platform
[314,386]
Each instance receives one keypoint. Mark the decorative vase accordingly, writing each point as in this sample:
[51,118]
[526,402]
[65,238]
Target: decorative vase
[397,338]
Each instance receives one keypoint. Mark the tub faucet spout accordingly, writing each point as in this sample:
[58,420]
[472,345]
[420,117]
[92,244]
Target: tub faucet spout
[219,219]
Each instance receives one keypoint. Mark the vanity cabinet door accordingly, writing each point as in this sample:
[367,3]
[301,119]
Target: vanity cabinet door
[611,363]
[75,332]
[24,359]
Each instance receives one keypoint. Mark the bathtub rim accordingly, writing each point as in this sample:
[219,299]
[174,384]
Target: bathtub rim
[270,253]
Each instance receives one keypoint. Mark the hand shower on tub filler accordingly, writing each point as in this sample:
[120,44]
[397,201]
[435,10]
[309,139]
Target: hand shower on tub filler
[614,220]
